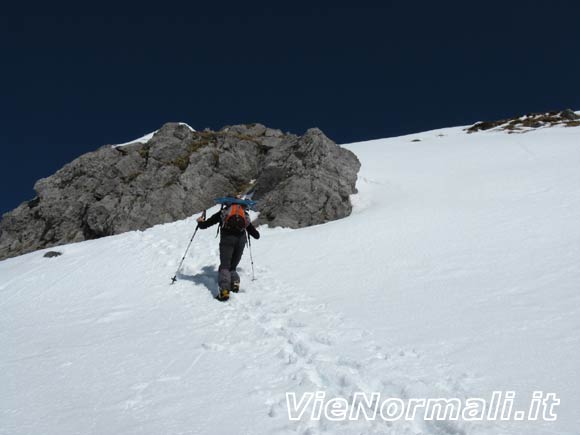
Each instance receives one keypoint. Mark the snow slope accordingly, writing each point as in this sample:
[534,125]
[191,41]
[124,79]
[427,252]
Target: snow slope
[456,275]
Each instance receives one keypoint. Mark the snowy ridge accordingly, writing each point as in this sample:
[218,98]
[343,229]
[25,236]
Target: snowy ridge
[146,138]
[455,275]
[143,139]
[187,125]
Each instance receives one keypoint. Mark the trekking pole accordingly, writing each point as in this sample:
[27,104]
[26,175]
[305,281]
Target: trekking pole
[183,258]
[251,258]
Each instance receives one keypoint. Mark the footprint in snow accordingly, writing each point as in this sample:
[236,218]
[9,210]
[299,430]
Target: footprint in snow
[215,347]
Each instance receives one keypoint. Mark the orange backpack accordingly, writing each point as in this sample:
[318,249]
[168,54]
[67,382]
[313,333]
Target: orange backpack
[235,218]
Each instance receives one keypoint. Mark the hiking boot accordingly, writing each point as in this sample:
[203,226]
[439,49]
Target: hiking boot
[236,286]
[224,295]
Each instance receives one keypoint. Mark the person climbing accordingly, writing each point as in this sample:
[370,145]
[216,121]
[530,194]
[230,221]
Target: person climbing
[234,227]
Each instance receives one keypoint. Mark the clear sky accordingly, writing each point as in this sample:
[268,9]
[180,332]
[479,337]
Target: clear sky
[77,77]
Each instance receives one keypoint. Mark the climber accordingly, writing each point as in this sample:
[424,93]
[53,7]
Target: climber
[234,227]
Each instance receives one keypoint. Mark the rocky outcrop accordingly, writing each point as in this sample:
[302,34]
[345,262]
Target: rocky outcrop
[298,181]
[531,121]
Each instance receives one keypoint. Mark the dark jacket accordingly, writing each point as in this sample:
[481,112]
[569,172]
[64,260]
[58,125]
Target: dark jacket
[217,218]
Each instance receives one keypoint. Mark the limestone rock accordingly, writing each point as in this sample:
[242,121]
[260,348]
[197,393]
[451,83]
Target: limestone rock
[298,181]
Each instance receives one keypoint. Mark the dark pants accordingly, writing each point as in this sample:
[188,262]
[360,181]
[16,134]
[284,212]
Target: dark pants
[231,250]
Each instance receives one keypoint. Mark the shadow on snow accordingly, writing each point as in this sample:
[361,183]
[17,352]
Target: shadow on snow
[207,277]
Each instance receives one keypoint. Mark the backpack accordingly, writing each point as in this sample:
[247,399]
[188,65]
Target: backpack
[235,217]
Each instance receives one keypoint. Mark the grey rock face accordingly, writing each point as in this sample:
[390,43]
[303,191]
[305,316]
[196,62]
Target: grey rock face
[298,181]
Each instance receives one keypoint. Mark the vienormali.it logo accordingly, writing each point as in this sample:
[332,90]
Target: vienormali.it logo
[370,406]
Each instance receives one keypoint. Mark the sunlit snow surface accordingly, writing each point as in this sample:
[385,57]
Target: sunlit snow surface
[143,139]
[456,275]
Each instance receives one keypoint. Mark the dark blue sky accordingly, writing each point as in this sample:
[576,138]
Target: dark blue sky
[73,79]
